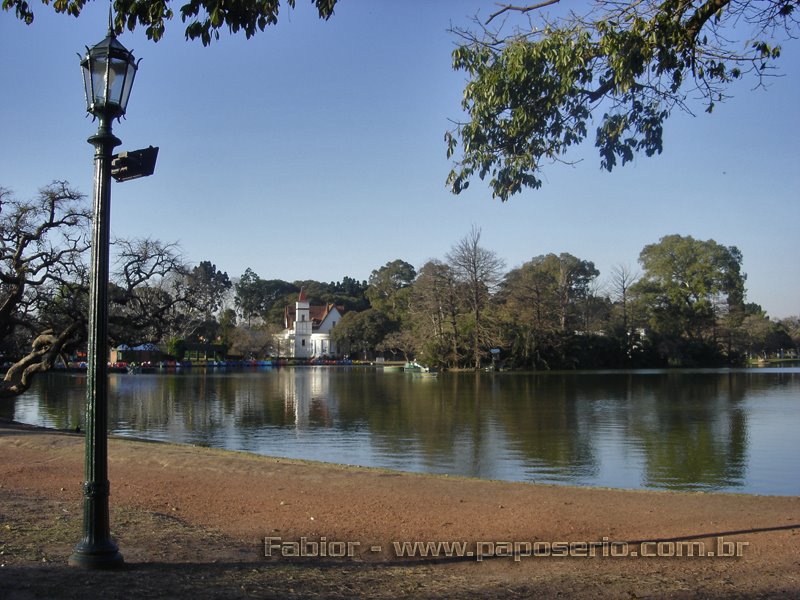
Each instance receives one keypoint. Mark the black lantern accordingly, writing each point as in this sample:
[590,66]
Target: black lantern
[108,72]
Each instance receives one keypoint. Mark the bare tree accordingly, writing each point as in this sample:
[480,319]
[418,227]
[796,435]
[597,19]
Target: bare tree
[479,270]
[145,300]
[622,278]
[44,283]
[42,243]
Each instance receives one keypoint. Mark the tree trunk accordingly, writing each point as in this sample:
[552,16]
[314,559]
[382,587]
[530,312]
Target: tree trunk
[45,349]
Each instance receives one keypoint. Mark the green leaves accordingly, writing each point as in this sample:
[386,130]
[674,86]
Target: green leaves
[530,95]
[389,286]
[203,18]
[688,282]
[525,103]
[644,125]
[68,7]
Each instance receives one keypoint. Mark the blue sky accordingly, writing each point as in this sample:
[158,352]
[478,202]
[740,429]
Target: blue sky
[315,150]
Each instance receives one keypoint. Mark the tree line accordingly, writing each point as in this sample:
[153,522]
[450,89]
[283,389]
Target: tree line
[685,305]
[634,62]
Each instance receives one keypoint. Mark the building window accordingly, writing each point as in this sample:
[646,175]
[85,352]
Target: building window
[303,342]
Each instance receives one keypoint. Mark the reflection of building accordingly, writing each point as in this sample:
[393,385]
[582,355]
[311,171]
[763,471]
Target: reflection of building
[307,396]
[307,332]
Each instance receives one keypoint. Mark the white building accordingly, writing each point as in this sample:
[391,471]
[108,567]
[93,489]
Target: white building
[307,332]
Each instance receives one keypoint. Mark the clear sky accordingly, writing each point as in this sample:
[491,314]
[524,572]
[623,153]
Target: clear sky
[315,151]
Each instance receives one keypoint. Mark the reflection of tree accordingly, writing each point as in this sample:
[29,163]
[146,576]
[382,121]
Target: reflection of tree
[143,403]
[202,407]
[444,424]
[687,430]
[403,414]
[549,419]
[691,435]
[466,419]
[60,400]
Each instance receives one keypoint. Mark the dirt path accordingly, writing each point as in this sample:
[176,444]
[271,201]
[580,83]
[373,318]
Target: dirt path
[194,521]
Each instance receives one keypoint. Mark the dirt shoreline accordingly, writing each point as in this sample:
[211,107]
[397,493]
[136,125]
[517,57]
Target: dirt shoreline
[193,520]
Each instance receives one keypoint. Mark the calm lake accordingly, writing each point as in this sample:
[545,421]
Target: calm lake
[718,430]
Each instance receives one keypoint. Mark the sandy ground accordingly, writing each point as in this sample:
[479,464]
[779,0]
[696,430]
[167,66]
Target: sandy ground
[193,521]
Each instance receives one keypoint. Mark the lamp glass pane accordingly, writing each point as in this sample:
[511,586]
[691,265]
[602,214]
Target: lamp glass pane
[87,85]
[116,80]
[99,79]
[127,85]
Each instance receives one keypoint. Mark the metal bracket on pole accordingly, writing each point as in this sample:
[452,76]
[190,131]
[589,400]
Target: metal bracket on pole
[134,164]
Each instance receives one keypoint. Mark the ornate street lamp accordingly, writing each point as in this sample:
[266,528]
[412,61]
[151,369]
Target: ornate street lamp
[108,73]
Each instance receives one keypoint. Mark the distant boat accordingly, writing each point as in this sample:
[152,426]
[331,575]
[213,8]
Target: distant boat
[415,367]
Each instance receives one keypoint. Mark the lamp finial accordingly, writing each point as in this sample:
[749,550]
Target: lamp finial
[111,19]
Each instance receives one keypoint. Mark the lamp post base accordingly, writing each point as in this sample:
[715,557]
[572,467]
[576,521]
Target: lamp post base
[101,556]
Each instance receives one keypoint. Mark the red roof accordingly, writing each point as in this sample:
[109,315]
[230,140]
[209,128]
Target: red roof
[317,314]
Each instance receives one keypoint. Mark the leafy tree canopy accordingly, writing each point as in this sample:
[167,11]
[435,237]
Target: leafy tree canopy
[386,285]
[363,330]
[686,283]
[203,18]
[208,286]
[533,93]
[264,298]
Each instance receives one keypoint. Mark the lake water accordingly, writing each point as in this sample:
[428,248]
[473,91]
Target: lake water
[727,430]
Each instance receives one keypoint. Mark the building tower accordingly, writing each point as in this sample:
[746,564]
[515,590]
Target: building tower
[302,326]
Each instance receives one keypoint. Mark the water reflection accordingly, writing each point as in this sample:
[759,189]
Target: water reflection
[704,430]
[700,437]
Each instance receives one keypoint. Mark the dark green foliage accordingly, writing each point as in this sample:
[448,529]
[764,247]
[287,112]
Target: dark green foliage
[363,331]
[203,18]
[688,284]
[533,93]
[263,298]
[267,299]
[389,286]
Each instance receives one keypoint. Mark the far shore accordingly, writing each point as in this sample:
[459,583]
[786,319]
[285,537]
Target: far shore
[220,513]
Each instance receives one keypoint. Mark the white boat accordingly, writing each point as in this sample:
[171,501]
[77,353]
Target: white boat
[415,367]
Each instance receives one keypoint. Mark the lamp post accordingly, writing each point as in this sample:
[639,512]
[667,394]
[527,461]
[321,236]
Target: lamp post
[108,73]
